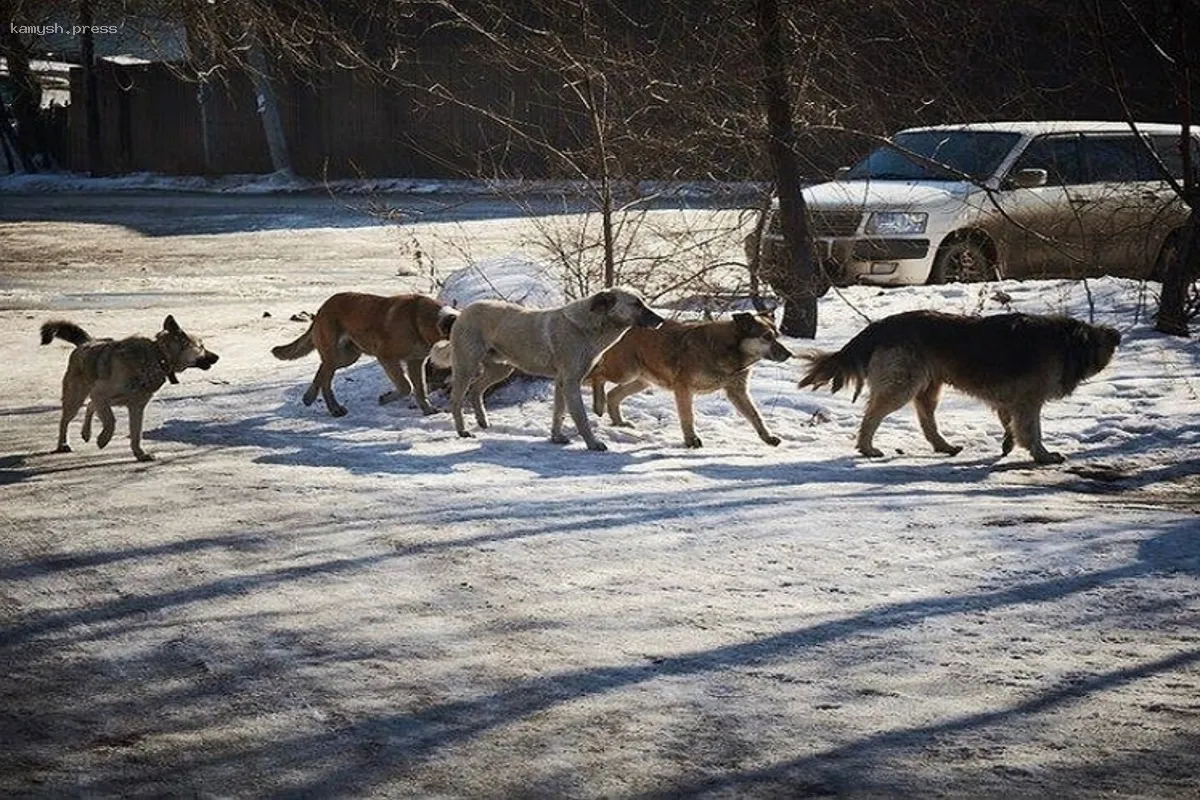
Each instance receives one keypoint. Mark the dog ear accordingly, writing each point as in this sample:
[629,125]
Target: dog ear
[445,320]
[170,325]
[603,302]
[743,322]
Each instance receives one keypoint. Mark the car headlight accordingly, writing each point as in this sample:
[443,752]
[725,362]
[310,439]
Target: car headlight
[892,223]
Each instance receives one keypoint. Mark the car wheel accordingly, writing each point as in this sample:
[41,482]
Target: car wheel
[962,261]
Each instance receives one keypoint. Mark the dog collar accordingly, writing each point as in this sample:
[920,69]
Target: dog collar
[166,368]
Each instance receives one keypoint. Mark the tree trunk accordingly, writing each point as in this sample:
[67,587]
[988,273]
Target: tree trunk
[201,63]
[799,284]
[1185,266]
[268,109]
[91,91]
[1181,270]
[30,140]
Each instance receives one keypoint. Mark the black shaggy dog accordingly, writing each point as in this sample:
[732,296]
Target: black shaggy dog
[1012,362]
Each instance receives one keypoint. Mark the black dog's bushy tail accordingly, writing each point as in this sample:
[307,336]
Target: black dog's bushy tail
[848,365]
[67,331]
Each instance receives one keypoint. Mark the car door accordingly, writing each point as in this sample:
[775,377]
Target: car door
[1038,229]
[1119,204]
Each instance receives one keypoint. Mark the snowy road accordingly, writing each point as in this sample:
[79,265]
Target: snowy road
[287,604]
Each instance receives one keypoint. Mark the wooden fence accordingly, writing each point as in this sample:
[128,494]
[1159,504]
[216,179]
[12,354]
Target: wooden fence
[337,124]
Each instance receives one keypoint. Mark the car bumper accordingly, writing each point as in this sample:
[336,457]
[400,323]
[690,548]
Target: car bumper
[866,260]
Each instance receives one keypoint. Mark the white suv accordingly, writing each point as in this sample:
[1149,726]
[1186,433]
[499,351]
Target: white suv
[998,199]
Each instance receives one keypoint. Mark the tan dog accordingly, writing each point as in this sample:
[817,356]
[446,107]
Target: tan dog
[491,338]
[689,358]
[125,372]
[1013,362]
[398,331]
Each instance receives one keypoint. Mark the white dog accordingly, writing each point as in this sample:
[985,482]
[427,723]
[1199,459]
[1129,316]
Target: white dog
[491,338]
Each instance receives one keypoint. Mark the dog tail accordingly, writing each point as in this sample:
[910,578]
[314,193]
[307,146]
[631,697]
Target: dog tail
[67,331]
[848,365]
[297,349]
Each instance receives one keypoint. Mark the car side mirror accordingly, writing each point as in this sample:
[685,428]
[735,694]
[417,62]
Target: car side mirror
[1029,178]
[840,173]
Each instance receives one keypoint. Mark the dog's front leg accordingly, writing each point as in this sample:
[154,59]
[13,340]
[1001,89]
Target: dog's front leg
[1005,416]
[136,413]
[395,372]
[926,402]
[1027,427]
[556,417]
[683,405]
[737,394]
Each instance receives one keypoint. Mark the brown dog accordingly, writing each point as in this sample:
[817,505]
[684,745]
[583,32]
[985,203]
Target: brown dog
[689,358]
[125,372]
[398,331]
[1013,362]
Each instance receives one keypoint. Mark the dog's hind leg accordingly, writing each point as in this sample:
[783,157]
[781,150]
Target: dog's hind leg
[598,396]
[136,415]
[491,374]
[926,403]
[416,372]
[332,359]
[1027,429]
[85,432]
[618,394]
[108,423]
[73,397]
[737,394]
[879,405]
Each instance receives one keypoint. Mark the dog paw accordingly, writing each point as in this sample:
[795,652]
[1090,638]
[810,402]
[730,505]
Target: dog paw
[558,438]
[103,439]
[693,442]
[430,411]
[63,448]
[466,435]
[337,411]
[772,440]
[951,450]
[1006,446]
[142,455]
[623,424]
[871,452]
[1046,457]
[599,447]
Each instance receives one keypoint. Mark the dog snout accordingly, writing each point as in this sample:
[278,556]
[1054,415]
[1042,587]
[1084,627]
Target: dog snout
[207,360]
[779,352]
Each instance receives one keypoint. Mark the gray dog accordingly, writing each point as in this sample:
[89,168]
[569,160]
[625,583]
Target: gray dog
[491,338]
[125,372]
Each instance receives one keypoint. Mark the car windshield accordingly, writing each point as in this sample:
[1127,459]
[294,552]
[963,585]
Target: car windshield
[974,153]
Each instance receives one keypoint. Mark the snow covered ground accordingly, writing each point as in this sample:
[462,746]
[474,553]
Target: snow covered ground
[289,604]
